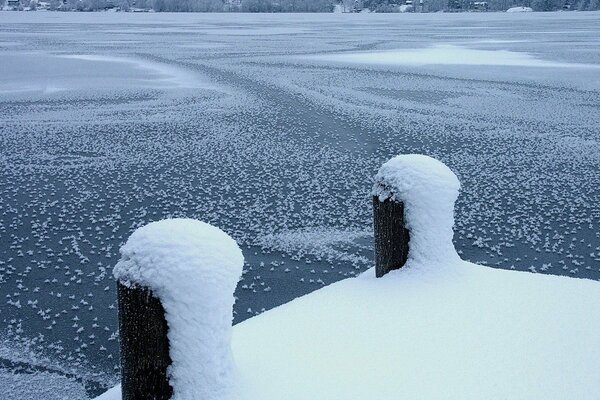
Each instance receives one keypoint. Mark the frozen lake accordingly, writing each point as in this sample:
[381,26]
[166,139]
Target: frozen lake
[271,127]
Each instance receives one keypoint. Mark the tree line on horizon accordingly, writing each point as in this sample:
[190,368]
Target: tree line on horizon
[274,6]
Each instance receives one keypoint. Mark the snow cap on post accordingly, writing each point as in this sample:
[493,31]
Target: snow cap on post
[193,269]
[428,189]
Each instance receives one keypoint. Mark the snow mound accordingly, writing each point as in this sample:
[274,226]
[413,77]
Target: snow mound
[519,9]
[193,268]
[428,189]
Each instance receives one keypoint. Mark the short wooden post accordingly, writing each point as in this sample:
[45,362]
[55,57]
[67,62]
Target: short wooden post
[176,280]
[144,345]
[391,235]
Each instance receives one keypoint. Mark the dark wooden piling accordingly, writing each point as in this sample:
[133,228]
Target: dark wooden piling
[144,345]
[391,235]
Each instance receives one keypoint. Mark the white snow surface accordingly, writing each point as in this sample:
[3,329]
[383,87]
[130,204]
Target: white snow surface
[446,54]
[113,393]
[161,75]
[428,189]
[193,268]
[519,9]
[461,332]
[92,72]
[40,385]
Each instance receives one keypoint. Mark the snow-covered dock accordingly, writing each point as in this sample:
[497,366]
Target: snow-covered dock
[438,328]
[458,331]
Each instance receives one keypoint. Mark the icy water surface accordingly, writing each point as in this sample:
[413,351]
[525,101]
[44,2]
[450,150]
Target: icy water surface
[271,127]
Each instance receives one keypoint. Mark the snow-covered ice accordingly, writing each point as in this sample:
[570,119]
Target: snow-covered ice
[41,385]
[448,55]
[161,75]
[46,74]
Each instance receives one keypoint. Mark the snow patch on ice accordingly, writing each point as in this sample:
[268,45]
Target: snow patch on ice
[447,55]
[193,268]
[40,73]
[166,75]
[519,9]
[16,351]
[320,242]
[40,385]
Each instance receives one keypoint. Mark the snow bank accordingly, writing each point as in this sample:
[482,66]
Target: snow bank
[193,268]
[519,9]
[428,190]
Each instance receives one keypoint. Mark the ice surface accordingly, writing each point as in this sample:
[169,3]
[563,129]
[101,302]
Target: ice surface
[193,268]
[31,374]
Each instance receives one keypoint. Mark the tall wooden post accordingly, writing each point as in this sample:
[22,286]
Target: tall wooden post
[391,236]
[144,345]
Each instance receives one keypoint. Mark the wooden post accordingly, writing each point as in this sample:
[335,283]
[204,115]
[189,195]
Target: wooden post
[144,345]
[391,236]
